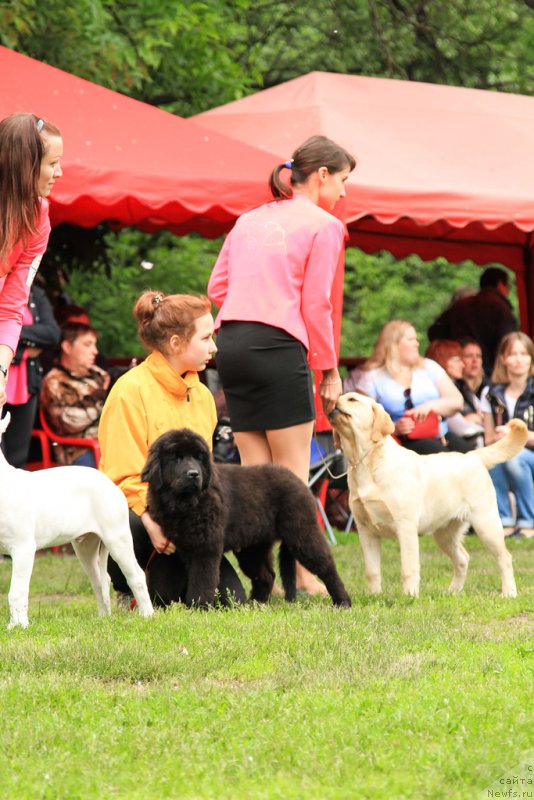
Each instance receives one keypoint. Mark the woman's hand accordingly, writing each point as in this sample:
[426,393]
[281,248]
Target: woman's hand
[421,412]
[157,537]
[330,389]
[404,425]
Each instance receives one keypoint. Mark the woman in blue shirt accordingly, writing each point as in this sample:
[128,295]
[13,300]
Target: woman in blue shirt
[408,386]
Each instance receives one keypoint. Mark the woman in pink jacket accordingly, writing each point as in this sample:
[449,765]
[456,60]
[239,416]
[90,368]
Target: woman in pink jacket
[30,150]
[272,283]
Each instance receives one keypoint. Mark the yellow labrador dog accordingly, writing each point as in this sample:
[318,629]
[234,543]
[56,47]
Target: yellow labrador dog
[395,492]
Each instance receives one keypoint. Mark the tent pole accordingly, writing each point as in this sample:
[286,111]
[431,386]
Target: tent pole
[526,310]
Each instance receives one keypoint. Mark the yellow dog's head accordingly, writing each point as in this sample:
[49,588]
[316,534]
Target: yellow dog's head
[359,420]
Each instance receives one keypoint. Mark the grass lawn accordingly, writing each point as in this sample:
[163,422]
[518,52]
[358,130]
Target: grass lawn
[397,698]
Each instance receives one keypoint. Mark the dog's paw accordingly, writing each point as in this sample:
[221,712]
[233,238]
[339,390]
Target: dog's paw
[509,592]
[22,625]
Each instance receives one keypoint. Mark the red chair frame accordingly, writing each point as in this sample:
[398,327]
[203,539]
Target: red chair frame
[47,437]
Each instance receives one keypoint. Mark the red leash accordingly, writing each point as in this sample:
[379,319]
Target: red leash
[152,554]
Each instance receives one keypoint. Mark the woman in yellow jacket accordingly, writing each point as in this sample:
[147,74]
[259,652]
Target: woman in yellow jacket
[162,393]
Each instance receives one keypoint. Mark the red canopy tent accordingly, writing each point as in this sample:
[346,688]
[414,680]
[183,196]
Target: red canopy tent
[441,170]
[129,163]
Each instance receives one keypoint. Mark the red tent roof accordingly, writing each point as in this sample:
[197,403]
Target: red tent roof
[428,155]
[441,170]
[130,163]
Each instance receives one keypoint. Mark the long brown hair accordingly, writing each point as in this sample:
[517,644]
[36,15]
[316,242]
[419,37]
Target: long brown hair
[22,147]
[500,372]
[314,153]
[161,316]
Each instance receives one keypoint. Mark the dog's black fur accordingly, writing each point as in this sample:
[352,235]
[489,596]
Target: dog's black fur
[207,508]
[166,575]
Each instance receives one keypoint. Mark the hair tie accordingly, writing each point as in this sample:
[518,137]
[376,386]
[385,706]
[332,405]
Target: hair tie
[40,124]
[289,164]
[157,299]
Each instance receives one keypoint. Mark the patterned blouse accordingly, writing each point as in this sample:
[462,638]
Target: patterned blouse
[72,406]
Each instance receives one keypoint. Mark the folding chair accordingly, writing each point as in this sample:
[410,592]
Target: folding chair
[320,463]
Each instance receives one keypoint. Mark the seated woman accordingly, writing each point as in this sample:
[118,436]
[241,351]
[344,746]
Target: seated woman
[409,386]
[161,393]
[511,394]
[73,392]
[466,431]
[473,379]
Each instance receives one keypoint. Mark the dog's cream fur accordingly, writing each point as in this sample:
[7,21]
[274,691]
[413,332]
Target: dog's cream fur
[395,492]
[59,505]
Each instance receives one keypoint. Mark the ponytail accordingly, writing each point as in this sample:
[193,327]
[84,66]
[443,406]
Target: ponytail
[314,153]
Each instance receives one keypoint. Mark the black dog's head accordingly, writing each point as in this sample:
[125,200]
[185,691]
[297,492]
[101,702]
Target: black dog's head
[179,460]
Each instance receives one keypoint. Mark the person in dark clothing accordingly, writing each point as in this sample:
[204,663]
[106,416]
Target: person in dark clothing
[39,332]
[465,427]
[473,380]
[485,317]
[511,394]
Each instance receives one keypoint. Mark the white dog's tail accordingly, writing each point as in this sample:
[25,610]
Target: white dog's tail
[4,422]
[507,447]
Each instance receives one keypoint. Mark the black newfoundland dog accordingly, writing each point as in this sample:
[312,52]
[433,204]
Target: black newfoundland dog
[207,508]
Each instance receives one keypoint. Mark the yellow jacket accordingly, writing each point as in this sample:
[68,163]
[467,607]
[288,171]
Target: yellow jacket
[145,402]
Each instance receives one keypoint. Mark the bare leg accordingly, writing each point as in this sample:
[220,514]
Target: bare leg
[253,448]
[290,447]
[287,447]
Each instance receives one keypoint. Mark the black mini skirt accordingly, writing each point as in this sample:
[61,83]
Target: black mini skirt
[265,377]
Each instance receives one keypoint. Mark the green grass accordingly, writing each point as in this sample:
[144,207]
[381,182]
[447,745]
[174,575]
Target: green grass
[397,698]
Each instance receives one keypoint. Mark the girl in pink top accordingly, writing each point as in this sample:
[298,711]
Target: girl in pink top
[272,283]
[30,150]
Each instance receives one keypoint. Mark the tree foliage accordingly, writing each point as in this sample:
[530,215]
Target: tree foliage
[484,44]
[380,287]
[116,278]
[193,55]
[163,52]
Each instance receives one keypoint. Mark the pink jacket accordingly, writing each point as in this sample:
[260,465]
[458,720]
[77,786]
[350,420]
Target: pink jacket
[277,266]
[16,280]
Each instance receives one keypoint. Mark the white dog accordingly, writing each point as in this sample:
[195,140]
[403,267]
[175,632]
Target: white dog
[65,504]
[395,492]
